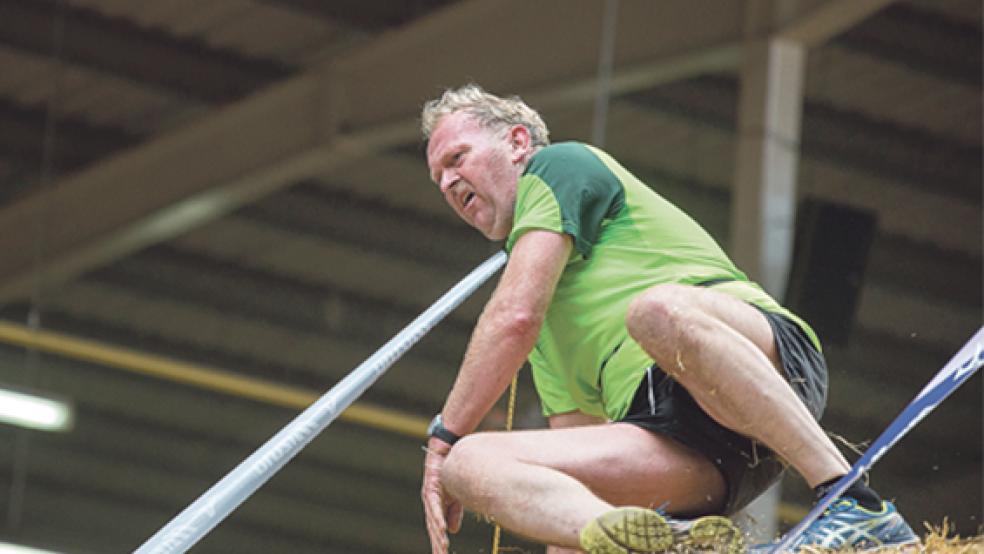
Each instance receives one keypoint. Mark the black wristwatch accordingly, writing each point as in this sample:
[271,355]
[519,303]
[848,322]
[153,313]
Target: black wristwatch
[437,429]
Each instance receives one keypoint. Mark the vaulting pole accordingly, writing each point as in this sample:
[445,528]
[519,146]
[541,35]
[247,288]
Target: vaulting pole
[188,527]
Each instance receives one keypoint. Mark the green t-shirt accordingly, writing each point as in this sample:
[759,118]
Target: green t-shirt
[627,238]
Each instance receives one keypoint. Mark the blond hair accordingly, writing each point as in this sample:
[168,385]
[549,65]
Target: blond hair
[491,111]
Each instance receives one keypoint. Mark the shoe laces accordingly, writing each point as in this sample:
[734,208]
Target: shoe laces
[840,505]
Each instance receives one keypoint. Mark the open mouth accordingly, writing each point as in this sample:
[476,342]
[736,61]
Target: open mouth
[468,199]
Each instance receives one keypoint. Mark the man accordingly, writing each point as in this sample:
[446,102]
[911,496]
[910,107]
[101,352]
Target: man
[672,384]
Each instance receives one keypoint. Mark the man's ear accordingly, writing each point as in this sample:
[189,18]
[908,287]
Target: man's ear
[520,142]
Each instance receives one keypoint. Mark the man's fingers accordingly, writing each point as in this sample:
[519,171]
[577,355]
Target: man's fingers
[435,512]
[438,539]
[434,516]
[432,494]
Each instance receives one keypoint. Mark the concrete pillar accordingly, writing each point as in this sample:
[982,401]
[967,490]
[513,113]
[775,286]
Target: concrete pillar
[764,199]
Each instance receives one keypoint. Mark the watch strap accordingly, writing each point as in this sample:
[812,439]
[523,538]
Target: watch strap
[437,429]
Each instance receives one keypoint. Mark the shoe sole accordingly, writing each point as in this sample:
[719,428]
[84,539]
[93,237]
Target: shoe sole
[627,531]
[713,534]
[909,546]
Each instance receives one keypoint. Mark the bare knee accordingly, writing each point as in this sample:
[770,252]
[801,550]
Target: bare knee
[463,470]
[671,325]
[456,472]
[661,317]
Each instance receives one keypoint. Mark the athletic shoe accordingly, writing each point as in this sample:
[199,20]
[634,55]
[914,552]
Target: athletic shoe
[846,524]
[639,530]
[626,531]
[707,534]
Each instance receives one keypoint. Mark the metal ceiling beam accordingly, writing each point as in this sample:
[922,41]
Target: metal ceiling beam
[159,189]
[825,22]
[923,40]
[75,143]
[938,274]
[896,261]
[694,37]
[372,178]
[141,54]
[910,315]
[22,135]
[370,16]
[908,212]
[308,124]
[907,155]
[250,292]
[341,215]
[329,264]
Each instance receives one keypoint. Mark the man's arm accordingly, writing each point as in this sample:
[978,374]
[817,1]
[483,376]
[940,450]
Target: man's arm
[502,339]
[507,329]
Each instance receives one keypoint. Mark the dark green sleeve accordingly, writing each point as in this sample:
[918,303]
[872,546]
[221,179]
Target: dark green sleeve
[586,191]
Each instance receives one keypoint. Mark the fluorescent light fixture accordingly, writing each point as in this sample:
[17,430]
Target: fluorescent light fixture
[7,548]
[34,412]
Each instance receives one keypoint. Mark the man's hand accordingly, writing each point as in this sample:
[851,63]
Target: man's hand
[442,512]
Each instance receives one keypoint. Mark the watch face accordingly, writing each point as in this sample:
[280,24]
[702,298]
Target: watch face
[433,424]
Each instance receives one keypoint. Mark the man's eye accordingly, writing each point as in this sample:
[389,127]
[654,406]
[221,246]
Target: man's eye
[457,158]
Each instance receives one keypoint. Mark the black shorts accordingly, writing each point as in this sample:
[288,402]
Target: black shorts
[662,406]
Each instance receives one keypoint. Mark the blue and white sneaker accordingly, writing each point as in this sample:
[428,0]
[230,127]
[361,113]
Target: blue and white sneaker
[846,524]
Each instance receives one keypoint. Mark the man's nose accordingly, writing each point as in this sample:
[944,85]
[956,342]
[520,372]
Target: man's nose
[448,180]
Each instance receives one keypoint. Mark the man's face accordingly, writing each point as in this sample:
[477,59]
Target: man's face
[477,170]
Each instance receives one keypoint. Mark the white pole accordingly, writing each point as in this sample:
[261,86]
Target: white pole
[188,527]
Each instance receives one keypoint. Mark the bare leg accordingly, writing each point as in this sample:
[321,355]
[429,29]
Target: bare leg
[723,351]
[560,421]
[547,485]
